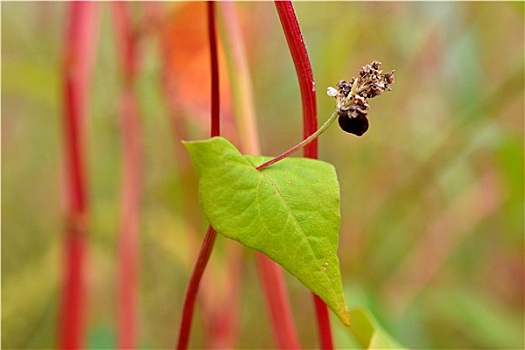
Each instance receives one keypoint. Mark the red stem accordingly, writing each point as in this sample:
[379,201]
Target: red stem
[323,323]
[214,62]
[303,68]
[193,287]
[128,245]
[78,54]
[211,234]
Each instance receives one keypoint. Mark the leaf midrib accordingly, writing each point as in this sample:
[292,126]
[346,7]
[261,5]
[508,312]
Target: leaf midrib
[290,213]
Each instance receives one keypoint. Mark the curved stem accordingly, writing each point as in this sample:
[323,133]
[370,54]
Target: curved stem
[301,144]
[305,76]
[191,294]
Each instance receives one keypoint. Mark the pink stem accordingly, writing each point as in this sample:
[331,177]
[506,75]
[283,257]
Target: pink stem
[128,245]
[301,61]
[223,321]
[211,234]
[272,280]
[79,54]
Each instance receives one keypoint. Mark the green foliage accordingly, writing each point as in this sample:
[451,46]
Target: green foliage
[477,318]
[288,211]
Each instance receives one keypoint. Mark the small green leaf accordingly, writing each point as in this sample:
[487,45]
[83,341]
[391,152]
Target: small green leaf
[368,333]
[288,211]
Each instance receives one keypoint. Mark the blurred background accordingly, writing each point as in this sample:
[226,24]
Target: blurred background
[432,231]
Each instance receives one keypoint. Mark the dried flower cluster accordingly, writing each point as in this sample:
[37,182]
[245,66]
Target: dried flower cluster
[352,96]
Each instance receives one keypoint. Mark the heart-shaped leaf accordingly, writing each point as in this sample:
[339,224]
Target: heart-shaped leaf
[288,211]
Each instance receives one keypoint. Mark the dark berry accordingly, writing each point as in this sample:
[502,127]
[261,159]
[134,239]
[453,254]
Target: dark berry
[357,125]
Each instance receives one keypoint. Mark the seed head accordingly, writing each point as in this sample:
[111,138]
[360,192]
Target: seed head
[351,96]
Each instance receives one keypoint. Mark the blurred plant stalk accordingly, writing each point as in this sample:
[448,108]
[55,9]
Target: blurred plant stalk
[131,182]
[79,54]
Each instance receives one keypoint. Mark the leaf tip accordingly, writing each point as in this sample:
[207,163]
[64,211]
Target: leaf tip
[345,316]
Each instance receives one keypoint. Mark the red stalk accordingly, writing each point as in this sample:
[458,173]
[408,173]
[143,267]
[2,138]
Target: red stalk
[303,68]
[78,58]
[128,242]
[193,287]
[323,323]
[211,234]
[214,62]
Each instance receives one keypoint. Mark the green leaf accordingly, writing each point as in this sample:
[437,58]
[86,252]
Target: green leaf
[368,333]
[288,211]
